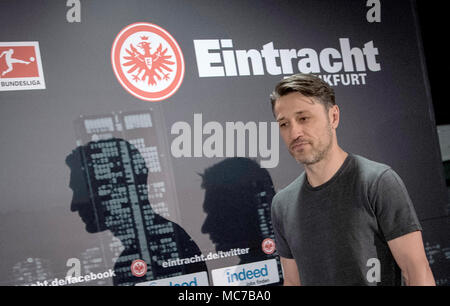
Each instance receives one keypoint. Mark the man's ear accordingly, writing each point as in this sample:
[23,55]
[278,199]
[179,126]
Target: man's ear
[334,116]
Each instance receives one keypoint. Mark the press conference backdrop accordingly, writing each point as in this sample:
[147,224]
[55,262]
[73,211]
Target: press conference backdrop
[138,145]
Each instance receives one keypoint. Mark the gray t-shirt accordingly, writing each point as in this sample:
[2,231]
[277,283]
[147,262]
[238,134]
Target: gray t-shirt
[337,232]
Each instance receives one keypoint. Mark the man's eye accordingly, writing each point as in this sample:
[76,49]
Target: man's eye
[304,118]
[283,124]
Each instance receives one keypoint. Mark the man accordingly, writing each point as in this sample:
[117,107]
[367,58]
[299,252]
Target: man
[346,220]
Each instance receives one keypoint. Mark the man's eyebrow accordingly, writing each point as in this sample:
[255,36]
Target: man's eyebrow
[296,113]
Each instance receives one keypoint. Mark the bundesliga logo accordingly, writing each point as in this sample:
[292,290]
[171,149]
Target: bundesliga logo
[20,66]
[147,61]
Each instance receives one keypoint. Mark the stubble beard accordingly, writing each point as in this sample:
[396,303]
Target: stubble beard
[318,152]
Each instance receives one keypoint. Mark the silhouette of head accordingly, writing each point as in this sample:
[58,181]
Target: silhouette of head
[101,173]
[238,194]
[109,183]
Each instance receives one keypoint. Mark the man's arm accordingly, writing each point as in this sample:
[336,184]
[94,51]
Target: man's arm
[409,253]
[290,272]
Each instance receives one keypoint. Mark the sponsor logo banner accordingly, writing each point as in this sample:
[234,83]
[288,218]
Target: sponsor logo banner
[193,279]
[20,66]
[252,274]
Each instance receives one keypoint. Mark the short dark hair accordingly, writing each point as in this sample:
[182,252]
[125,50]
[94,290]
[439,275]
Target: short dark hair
[308,85]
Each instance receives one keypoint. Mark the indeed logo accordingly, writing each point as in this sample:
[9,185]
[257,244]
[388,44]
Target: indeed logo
[235,139]
[251,274]
[186,283]
[247,274]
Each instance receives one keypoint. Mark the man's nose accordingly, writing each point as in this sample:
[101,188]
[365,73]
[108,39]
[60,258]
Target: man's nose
[295,131]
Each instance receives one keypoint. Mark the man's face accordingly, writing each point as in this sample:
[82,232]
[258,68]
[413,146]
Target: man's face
[304,126]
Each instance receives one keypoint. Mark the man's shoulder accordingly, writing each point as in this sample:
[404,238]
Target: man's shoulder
[369,170]
[289,193]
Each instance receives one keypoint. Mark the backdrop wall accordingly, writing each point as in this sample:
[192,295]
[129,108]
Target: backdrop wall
[171,93]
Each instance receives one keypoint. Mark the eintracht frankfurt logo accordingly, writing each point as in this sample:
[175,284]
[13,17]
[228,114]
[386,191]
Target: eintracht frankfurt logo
[138,268]
[147,61]
[268,246]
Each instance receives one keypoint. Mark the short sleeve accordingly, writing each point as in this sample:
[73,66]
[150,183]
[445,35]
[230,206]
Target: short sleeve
[281,244]
[393,207]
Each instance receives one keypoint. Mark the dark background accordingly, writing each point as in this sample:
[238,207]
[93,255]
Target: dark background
[433,18]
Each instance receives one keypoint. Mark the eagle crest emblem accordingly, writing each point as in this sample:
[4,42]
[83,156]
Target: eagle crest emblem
[147,61]
[148,67]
